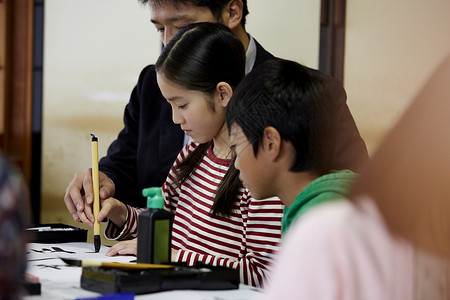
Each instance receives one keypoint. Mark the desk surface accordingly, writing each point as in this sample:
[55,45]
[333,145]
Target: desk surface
[60,281]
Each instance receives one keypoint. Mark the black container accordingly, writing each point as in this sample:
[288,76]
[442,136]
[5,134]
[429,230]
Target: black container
[198,277]
[154,230]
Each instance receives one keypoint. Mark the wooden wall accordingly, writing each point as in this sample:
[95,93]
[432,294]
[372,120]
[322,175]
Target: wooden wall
[16,29]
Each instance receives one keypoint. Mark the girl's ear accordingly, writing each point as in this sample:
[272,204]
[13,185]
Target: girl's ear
[224,93]
[271,143]
[232,13]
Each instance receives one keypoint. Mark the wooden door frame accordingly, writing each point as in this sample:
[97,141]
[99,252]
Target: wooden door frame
[16,93]
[18,84]
[332,37]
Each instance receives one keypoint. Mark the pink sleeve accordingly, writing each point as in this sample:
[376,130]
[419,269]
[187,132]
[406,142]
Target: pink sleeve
[305,262]
[339,251]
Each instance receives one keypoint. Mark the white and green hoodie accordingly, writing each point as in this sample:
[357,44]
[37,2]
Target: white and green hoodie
[333,186]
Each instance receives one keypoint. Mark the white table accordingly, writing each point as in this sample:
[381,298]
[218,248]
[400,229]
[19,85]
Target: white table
[60,281]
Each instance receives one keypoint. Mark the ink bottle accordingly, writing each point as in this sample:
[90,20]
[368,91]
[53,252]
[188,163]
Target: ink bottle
[154,230]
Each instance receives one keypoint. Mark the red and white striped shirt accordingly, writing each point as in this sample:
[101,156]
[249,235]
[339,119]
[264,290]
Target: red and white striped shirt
[246,240]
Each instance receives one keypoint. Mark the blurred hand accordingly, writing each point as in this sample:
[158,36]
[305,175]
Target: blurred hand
[79,195]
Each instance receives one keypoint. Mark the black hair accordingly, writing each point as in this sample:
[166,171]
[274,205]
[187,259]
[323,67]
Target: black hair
[198,57]
[297,102]
[215,6]
[201,55]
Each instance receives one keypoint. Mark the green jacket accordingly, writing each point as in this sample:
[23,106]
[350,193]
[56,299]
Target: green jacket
[332,186]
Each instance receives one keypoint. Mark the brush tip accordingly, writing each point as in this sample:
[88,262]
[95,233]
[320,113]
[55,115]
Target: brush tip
[97,243]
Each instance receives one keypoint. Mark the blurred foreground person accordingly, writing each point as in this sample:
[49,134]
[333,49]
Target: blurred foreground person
[13,219]
[392,239]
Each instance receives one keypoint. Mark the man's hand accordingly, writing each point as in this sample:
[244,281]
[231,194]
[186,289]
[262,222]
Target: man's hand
[79,195]
[123,248]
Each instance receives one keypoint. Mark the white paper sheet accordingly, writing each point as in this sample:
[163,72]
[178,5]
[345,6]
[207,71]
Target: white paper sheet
[44,261]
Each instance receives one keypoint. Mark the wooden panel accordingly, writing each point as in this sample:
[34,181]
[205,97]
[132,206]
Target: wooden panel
[2,67]
[18,83]
[332,38]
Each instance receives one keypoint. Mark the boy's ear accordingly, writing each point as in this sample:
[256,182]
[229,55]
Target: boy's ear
[271,143]
[224,92]
[232,13]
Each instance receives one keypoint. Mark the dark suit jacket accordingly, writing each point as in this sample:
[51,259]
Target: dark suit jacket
[146,148]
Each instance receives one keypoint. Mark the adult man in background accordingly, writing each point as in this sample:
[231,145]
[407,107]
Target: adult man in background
[145,149]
